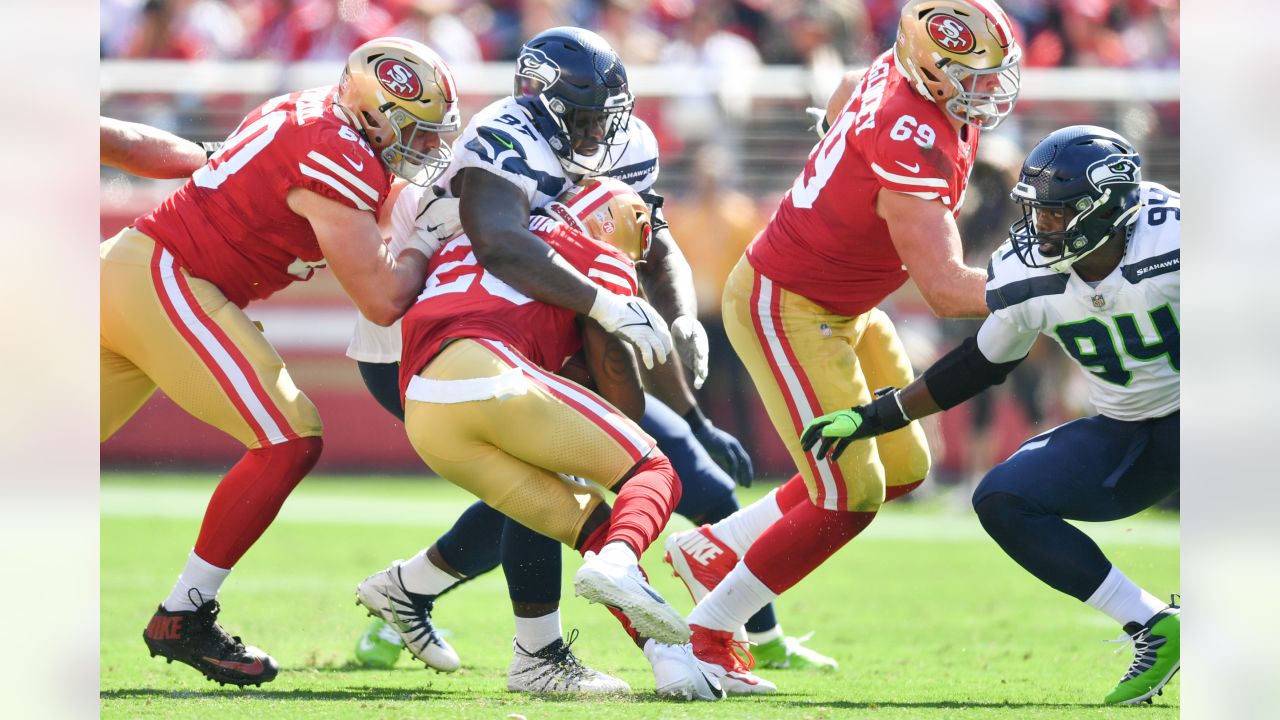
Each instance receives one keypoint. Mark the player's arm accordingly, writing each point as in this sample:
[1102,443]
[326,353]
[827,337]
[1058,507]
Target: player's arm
[928,241]
[824,118]
[613,369]
[495,215]
[146,151]
[667,279]
[980,362]
[382,287]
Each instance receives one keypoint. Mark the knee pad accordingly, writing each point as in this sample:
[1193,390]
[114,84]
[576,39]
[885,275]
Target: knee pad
[998,510]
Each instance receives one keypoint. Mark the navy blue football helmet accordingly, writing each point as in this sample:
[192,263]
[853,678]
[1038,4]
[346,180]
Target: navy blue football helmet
[575,88]
[1082,181]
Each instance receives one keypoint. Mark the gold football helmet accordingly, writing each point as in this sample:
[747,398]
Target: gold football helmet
[402,95]
[961,54]
[608,210]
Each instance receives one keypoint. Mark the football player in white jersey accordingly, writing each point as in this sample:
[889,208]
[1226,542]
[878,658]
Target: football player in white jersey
[1094,264]
[569,117]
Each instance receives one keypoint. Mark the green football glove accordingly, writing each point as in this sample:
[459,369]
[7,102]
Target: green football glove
[838,429]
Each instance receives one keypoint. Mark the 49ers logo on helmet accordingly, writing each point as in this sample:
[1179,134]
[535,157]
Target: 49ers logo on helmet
[399,79]
[950,34]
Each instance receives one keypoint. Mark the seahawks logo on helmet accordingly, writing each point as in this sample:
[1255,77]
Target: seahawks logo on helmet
[535,65]
[1115,169]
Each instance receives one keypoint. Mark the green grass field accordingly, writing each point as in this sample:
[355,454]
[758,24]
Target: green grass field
[925,614]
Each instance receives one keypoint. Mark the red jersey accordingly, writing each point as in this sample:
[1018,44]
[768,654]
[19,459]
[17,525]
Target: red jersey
[825,242]
[230,224]
[462,300]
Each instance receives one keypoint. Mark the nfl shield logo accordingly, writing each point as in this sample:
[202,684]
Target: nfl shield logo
[1099,301]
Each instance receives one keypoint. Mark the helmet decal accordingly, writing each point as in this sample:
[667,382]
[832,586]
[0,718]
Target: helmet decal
[535,65]
[398,78]
[1114,169]
[950,34]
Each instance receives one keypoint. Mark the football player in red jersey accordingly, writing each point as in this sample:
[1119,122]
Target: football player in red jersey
[875,203]
[298,185]
[480,358]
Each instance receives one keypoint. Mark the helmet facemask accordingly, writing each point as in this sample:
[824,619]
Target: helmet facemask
[587,139]
[403,156]
[1088,224]
[984,98]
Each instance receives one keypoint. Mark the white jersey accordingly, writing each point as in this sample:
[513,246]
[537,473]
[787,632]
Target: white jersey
[502,140]
[1123,332]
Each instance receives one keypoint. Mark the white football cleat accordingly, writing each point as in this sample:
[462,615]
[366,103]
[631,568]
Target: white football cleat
[622,586]
[677,673]
[555,668]
[723,655]
[409,614]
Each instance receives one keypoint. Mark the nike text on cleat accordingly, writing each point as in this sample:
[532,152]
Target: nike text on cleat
[555,668]
[678,674]
[195,638]
[730,661]
[623,587]
[409,614]
[789,653]
[1156,658]
[699,559]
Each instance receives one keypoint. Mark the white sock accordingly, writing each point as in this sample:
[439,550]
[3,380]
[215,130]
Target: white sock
[618,553]
[1123,601]
[533,634]
[739,596]
[761,638]
[197,575]
[742,528]
[422,576]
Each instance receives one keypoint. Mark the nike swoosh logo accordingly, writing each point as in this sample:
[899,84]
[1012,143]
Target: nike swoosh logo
[366,644]
[641,317]
[253,668]
[359,167]
[504,141]
[909,168]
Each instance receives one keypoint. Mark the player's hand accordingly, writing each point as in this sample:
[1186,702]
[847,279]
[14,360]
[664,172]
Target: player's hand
[635,321]
[727,452]
[438,215]
[691,341]
[838,429]
[819,118]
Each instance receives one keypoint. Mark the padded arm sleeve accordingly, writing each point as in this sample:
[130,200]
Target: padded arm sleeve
[963,373]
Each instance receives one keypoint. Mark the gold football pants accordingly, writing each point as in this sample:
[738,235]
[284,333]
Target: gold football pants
[160,327]
[806,362]
[521,449]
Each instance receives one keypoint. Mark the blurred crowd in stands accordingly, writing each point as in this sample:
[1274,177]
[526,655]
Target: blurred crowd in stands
[1095,33]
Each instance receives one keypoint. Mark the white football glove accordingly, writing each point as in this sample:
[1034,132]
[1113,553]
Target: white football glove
[633,320]
[691,342]
[438,215]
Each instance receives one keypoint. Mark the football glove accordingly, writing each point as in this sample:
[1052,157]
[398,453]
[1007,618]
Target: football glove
[635,321]
[438,215]
[819,118]
[723,448]
[838,429]
[690,339]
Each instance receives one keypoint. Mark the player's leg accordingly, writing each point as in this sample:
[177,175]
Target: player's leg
[1093,469]
[207,356]
[802,362]
[903,453]
[708,497]
[124,388]
[555,425]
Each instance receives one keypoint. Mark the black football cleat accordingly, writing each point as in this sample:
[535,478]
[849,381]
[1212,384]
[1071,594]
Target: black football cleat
[194,637]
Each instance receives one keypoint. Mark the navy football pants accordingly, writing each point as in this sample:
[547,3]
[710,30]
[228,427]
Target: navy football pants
[1093,469]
